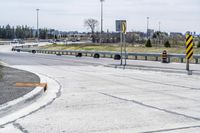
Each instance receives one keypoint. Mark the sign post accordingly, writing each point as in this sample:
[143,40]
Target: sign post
[121,44]
[124,25]
[121,27]
[189,50]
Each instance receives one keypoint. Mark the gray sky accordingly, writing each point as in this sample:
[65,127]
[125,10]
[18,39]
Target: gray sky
[69,15]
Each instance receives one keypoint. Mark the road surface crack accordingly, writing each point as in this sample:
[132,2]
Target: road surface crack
[18,126]
[172,129]
[153,107]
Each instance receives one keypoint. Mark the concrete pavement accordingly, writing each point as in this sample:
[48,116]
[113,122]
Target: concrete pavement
[100,99]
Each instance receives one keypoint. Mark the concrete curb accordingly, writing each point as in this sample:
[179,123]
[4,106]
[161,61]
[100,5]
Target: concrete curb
[4,64]
[21,102]
[31,102]
[154,69]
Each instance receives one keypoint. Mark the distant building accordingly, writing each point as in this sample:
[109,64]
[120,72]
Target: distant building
[175,34]
[150,33]
[138,35]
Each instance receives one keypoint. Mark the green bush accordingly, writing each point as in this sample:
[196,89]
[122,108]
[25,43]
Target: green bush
[167,44]
[198,45]
[148,43]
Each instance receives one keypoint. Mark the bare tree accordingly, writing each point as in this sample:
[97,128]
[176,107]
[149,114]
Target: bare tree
[92,25]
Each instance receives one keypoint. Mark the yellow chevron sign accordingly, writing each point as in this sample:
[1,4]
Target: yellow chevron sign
[124,27]
[189,47]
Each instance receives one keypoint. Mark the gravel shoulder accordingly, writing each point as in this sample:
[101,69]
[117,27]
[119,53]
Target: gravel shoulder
[8,78]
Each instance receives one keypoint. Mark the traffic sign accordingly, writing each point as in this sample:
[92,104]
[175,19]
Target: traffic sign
[118,25]
[121,26]
[124,27]
[189,46]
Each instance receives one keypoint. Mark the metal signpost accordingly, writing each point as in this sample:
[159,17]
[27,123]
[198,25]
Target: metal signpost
[121,27]
[189,50]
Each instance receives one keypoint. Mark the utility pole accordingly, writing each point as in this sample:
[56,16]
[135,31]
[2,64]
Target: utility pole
[38,34]
[101,18]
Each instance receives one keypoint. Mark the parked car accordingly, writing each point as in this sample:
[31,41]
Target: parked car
[15,41]
[20,41]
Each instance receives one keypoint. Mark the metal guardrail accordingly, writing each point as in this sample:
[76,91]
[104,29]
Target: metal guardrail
[4,42]
[115,55]
[25,46]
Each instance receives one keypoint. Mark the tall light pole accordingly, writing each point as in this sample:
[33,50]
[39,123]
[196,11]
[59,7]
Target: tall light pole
[102,15]
[159,26]
[147,27]
[101,18]
[159,32]
[38,34]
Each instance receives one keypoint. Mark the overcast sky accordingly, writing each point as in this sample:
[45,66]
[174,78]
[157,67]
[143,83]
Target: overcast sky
[69,15]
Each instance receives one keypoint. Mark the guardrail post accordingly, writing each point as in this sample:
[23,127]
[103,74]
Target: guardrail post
[181,60]
[135,57]
[169,60]
[156,58]
[196,60]
[145,57]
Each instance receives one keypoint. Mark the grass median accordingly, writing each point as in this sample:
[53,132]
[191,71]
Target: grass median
[117,47]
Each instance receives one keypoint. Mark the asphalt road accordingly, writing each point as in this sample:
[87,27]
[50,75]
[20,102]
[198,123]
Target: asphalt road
[8,89]
[51,60]
[99,99]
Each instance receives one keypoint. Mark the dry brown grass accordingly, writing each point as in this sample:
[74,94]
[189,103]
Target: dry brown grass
[116,47]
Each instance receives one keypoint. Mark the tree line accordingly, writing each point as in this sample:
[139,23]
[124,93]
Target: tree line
[24,32]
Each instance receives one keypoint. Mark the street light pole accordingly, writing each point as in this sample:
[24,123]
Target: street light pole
[147,27]
[101,18]
[159,26]
[38,34]
[159,32]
